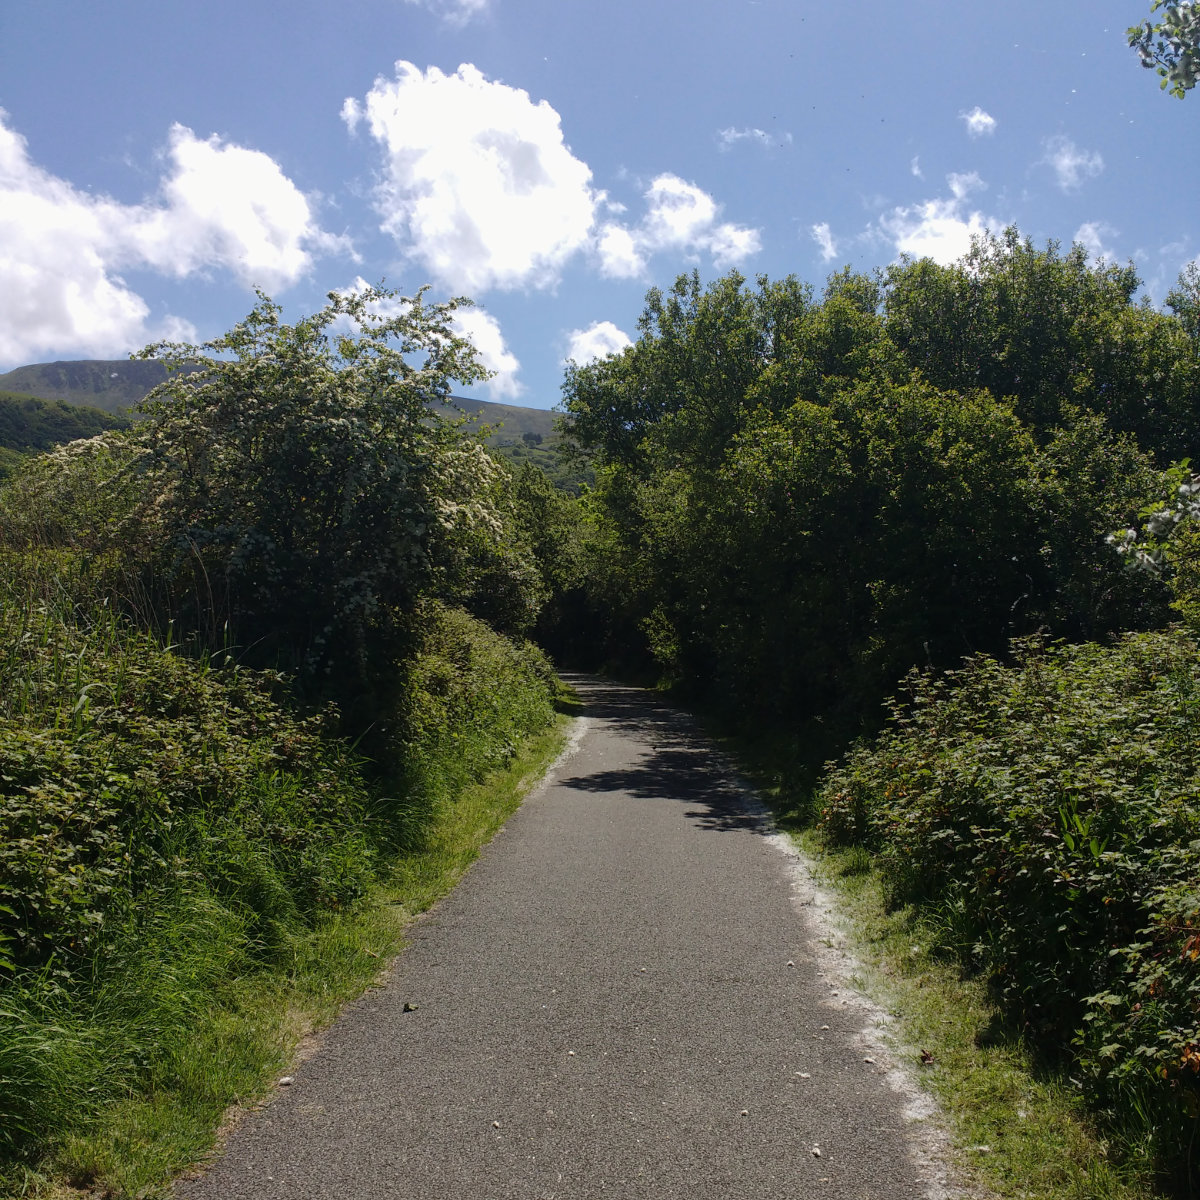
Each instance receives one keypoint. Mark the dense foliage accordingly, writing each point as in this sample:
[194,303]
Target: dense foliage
[1050,812]
[1171,45]
[801,499]
[198,615]
[798,499]
[805,498]
[29,425]
[166,826]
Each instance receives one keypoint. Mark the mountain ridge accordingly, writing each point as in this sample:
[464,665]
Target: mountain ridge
[115,385]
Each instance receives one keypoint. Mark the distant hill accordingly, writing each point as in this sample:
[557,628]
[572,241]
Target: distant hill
[508,422]
[112,385]
[115,385]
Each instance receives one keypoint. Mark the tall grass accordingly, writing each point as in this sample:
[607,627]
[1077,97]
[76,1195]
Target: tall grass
[185,858]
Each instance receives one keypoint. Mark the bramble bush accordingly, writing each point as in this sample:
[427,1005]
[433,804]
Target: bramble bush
[166,827]
[1048,814]
[127,769]
[170,821]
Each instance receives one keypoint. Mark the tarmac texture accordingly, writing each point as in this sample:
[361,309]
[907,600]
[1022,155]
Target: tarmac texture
[620,999]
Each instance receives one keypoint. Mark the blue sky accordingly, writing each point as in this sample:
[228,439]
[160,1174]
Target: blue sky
[553,160]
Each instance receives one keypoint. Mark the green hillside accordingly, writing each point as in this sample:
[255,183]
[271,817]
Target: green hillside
[28,424]
[117,384]
[109,384]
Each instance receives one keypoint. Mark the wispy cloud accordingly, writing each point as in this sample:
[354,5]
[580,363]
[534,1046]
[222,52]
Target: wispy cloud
[455,12]
[823,236]
[979,123]
[728,138]
[1093,235]
[1070,164]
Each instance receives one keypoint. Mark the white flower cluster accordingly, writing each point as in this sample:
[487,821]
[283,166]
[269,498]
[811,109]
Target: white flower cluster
[1144,550]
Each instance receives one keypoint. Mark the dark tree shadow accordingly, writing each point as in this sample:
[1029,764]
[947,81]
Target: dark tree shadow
[679,764]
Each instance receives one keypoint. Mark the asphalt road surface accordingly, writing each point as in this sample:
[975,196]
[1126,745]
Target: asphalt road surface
[622,999]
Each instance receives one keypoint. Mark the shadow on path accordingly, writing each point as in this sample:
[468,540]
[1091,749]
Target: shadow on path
[676,764]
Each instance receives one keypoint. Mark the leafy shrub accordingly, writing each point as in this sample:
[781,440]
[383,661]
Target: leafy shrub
[166,827]
[126,770]
[1050,812]
[468,696]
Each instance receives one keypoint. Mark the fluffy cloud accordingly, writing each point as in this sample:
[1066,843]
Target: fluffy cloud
[62,250]
[56,288]
[940,228]
[455,12]
[1071,165]
[823,236]
[229,208]
[478,185]
[484,332]
[598,340]
[679,216]
[480,189]
[979,123]
[617,249]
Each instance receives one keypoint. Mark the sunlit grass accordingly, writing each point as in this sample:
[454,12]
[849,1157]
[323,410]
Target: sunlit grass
[242,1038]
[1018,1130]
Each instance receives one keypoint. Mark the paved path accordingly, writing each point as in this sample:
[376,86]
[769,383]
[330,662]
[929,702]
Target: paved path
[620,1000]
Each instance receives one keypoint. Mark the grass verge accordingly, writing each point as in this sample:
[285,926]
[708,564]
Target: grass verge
[1019,1132]
[242,1037]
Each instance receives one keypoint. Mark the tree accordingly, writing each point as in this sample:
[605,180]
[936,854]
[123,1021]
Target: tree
[298,493]
[1171,46]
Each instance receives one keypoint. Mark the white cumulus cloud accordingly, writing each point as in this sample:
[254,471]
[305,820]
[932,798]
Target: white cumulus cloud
[979,123]
[823,236]
[598,340]
[940,228]
[682,217]
[62,250]
[1070,164]
[231,208]
[485,334]
[478,185]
